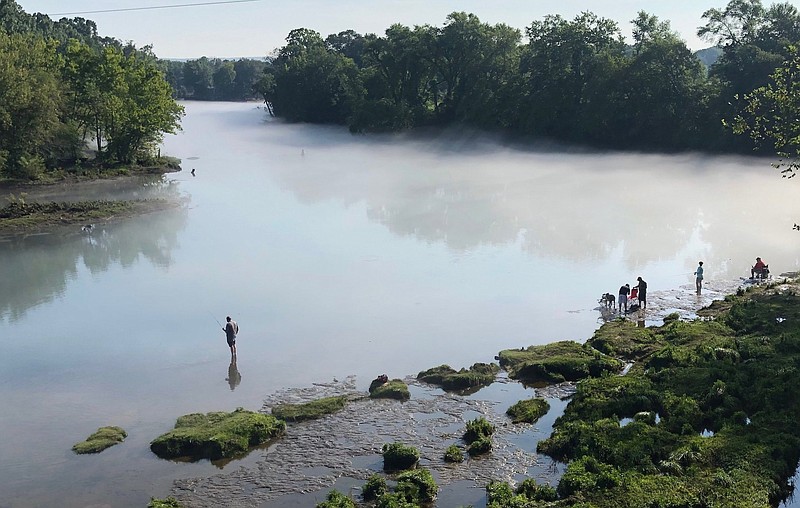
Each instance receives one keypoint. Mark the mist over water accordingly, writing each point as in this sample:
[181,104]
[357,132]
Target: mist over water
[338,255]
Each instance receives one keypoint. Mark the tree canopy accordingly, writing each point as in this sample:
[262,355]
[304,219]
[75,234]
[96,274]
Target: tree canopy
[61,85]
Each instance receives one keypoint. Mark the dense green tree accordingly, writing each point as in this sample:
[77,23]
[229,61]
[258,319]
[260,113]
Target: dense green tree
[772,115]
[198,78]
[566,68]
[224,78]
[312,83]
[30,103]
[473,64]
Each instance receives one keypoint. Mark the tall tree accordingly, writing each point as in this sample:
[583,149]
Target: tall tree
[30,103]
[312,83]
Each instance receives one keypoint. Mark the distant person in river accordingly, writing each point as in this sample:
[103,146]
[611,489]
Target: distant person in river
[622,299]
[231,329]
[698,281]
[760,269]
[642,287]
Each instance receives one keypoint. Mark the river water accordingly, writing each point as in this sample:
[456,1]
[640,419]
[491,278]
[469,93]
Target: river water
[338,255]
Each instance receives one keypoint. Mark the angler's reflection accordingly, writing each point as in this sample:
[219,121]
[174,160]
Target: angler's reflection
[234,377]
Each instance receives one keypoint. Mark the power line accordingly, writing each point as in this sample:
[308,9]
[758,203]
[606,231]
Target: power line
[153,7]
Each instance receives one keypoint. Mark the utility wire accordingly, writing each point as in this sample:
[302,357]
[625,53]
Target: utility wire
[153,7]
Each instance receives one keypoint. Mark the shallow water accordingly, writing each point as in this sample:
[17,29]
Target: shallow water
[338,255]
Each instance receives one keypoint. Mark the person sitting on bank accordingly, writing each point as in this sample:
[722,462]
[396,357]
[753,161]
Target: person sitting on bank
[760,269]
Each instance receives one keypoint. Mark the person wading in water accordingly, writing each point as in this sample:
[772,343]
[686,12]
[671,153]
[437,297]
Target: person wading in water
[231,329]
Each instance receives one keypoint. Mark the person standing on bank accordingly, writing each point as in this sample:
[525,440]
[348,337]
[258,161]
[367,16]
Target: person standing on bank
[231,329]
[622,299]
[699,280]
[642,293]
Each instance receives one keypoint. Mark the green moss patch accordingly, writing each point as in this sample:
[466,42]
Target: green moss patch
[394,389]
[528,410]
[398,456]
[169,502]
[557,362]
[217,435]
[336,499]
[105,437]
[477,376]
[309,410]
[453,454]
[623,339]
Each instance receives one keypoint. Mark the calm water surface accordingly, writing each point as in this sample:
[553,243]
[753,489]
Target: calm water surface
[337,255]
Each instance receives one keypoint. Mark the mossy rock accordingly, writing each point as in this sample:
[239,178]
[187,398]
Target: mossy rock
[528,411]
[453,454]
[336,499]
[557,362]
[309,410]
[477,376]
[169,502]
[398,456]
[374,488]
[480,446]
[417,487]
[217,435]
[104,437]
[622,338]
[477,429]
[394,389]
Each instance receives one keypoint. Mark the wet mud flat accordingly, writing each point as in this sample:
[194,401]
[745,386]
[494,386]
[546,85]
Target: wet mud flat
[314,455]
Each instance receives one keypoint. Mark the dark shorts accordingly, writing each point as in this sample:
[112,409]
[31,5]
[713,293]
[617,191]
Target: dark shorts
[231,342]
[642,297]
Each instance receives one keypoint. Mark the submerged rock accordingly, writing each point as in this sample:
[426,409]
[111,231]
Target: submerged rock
[104,437]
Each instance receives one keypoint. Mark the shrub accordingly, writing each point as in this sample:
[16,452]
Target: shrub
[453,454]
[336,499]
[528,410]
[398,456]
[478,428]
[374,488]
[417,486]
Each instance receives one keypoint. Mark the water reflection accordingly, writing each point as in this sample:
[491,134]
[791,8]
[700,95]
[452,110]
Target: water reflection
[234,377]
[572,206]
[37,269]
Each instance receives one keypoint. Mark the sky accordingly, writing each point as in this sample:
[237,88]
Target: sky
[255,28]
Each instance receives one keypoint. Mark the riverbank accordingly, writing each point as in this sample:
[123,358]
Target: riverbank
[32,207]
[703,410]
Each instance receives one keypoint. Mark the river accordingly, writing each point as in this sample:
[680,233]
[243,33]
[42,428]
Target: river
[338,255]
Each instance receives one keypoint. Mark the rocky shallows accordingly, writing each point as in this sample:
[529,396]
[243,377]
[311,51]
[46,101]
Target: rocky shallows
[687,413]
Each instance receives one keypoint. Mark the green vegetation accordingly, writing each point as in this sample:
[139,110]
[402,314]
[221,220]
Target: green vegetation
[479,436]
[528,410]
[104,437]
[557,362]
[501,495]
[374,488]
[477,376]
[63,84]
[640,440]
[416,486]
[169,502]
[217,435]
[310,410]
[336,499]
[19,216]
[453,454]
[394,389]
[397,456]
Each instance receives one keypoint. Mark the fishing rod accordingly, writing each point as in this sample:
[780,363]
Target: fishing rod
[215,319]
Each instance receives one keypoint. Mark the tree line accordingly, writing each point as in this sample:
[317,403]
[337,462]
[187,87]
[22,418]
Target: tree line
[214,79]
[575,81]
[62,85]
